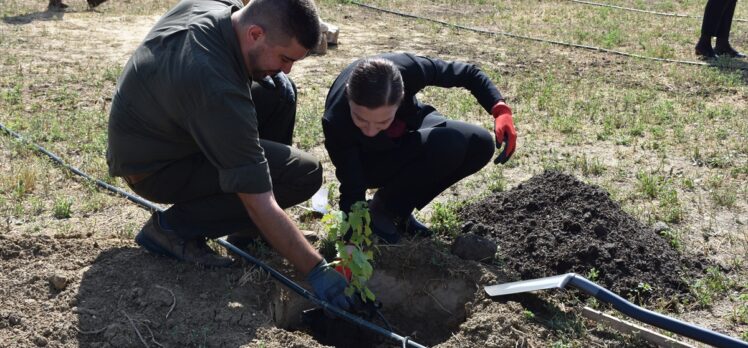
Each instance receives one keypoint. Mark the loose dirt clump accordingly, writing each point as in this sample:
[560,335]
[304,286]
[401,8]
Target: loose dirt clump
[554,224]
[494,324]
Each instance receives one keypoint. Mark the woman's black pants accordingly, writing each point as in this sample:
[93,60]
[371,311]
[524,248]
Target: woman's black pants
[427,162]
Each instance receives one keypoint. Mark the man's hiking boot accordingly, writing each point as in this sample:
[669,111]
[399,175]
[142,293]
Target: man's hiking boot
[705,51]
[159,240]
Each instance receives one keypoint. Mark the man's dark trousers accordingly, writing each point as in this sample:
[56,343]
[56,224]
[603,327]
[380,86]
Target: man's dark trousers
[201,209]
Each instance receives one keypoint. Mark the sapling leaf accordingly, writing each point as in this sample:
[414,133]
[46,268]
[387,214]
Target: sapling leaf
[369,294]
[351,253]
[355,224]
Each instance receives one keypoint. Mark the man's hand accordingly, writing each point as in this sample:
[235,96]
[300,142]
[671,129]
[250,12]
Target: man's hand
[504,130]
[282,83]
[329,285]
[278,230]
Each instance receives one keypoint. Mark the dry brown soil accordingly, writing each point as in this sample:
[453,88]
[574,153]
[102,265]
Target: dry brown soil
[78,291]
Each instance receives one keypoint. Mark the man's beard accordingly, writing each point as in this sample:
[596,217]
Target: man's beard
[256,72]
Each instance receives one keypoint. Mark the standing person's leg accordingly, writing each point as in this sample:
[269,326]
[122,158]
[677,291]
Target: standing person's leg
[709,28]
[56,5]
[722,46]
[94,3]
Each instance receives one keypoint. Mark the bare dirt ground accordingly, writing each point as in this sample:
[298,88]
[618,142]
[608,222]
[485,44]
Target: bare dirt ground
[82,282]
[79,291]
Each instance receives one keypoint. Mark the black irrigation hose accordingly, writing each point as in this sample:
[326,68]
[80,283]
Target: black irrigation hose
[132,197]
[405,341]
[666,14]
[537,39]
[653,318]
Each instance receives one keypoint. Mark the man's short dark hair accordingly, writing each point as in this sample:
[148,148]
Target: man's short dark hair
[285,19]
[375,82]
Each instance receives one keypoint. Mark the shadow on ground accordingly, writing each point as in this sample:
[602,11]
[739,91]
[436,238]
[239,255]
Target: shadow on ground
[48,15]
[128,297]
[729,65]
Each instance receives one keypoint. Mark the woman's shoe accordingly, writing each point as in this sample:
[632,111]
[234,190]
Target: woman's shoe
[415,228]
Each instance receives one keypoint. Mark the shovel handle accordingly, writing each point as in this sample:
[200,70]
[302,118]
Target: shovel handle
[656,319]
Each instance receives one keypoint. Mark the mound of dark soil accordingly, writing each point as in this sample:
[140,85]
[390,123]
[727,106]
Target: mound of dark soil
[554,224]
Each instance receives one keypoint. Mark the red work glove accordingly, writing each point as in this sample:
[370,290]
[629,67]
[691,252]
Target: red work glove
[504,130]
[345,271]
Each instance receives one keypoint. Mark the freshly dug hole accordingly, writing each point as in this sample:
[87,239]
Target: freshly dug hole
[423,291]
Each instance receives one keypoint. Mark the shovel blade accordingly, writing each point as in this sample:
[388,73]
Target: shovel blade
[555,282]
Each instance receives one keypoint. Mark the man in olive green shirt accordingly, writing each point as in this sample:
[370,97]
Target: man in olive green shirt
[188,127]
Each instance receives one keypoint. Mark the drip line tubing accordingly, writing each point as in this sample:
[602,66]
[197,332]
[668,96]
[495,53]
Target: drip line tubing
[132,197]
[666,14]
[537,39]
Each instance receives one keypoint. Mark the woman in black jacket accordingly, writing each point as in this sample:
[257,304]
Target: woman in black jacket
[717,22]
[380,136]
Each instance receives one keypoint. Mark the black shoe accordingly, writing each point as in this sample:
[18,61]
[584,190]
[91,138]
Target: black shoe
[94,3]
[56,5]
[390,227]
[158,240]
[705,51]
[238,240]
[383,223]
[729,52]
[415,228]
[384,228]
